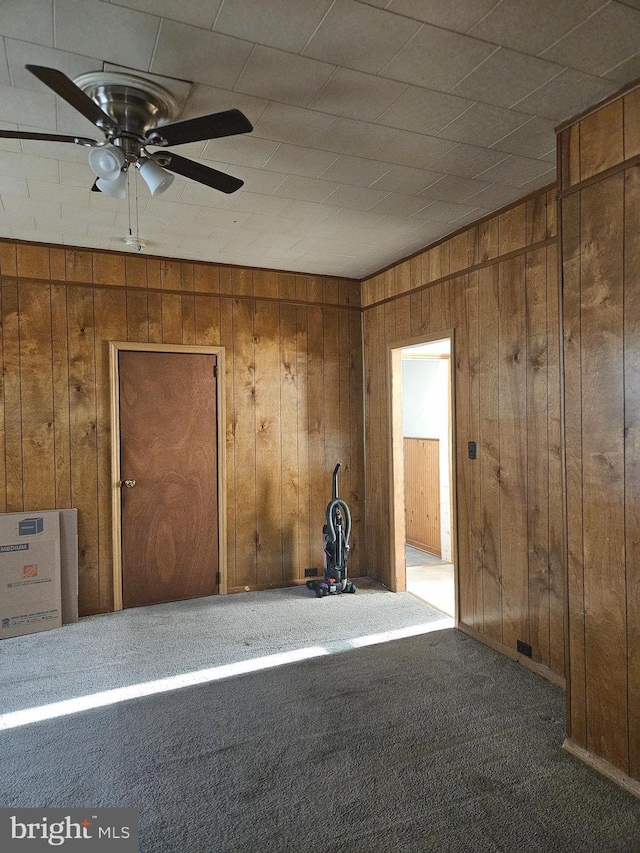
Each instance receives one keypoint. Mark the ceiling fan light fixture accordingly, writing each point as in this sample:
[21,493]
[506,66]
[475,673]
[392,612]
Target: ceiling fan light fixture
[116,188]
[155,177]
[106,161]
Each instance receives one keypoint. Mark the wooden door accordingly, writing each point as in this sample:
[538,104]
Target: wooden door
[168,446]
[422,493]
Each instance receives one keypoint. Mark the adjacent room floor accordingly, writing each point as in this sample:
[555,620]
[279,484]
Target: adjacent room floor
[431,579]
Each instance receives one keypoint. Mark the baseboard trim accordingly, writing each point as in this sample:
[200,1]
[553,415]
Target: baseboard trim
[538,668]
[632,786]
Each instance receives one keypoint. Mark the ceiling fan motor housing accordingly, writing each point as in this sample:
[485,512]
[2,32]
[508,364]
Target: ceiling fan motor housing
[135,104]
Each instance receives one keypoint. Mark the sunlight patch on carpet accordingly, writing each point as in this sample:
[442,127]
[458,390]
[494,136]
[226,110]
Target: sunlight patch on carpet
[149,688]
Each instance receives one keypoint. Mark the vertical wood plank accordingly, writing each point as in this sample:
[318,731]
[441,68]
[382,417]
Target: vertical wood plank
[12,398]
[489,450]
[207,321]
[319,491]
[110,313]
[474,512]
[265,283]
[137,316]
[171,318]
[206,278]
[244,369]
[304,532]
[632,453]
[603,469]
[572,341]
[36,391]
[557,570]
[631,113]
[227,340]
[188,311]
[78,265]
[33,261]
[84,473]
[154,307]
[538,455]
[513,451]
[268,445]
[170,274]
[241,282]
[61,392]
[289,392]
[109,268]
[601,140]
[512,229]
[358,553]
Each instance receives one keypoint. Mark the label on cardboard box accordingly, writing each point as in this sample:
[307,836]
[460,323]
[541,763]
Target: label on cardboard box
[30,526]
[30,596]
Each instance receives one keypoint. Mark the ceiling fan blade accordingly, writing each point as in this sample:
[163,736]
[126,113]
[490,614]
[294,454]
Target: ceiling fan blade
[227,123]
[69,92]
[197,172]
[95,188]
[46,137]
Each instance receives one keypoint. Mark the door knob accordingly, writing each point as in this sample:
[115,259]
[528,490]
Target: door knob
[129,483]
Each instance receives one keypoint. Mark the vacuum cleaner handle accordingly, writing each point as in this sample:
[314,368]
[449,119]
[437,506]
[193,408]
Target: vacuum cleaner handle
[335,481]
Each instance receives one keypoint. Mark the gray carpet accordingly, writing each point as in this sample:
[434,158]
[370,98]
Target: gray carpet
[429,743]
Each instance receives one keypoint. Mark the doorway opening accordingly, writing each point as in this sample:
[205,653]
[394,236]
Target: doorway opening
[422,453]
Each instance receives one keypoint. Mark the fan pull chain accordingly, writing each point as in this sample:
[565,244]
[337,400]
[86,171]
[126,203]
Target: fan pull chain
[129,199]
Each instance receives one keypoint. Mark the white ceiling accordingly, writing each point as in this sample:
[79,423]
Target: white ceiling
[380,126]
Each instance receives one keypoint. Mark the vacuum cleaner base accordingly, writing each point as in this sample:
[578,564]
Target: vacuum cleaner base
[330,586]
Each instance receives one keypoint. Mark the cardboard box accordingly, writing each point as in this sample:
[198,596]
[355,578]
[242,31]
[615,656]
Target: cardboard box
[30,592]
[69,564]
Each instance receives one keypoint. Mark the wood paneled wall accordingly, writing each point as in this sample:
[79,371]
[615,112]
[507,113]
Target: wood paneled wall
[422,493]
[496,285]
[600,226]
[293,397]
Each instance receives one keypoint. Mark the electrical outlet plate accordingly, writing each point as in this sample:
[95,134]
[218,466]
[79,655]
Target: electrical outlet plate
[311,573]
[524,648]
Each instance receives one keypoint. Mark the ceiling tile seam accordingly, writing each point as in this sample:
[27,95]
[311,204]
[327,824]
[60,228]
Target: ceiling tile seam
[613,68]
[6,59]
[320,23]
[486,15]
[155,45]
[572,30]
[53,24]
[558,74]
[470,107]
[546,82]
[473,70]
[426,23]
[324,86]
[244,68]
[520,127]
[217,15]
[381,73]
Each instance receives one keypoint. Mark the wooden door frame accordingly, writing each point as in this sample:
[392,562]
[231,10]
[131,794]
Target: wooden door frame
[115,348]
[397,526]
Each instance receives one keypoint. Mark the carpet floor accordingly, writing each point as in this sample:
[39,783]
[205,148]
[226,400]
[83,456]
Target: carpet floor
[430,742]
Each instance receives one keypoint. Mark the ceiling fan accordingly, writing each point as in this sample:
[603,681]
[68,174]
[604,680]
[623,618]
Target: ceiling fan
[134,113]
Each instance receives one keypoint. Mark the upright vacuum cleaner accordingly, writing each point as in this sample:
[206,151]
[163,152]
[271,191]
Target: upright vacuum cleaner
[336,534]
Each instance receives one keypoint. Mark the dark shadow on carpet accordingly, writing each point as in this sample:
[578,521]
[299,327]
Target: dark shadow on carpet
[432,743]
